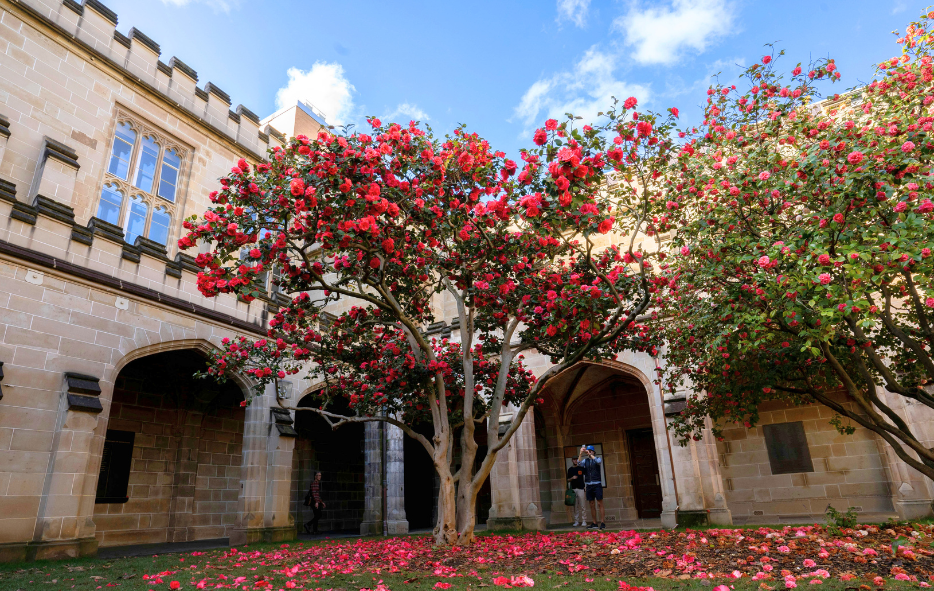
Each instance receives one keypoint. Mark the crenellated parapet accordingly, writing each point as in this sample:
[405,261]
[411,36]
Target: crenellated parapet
[93,26]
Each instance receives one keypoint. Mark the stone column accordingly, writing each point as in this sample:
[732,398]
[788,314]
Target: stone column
[383,440]
[697,472]
[514,481]
[372,524]
[912,493]
[396,522]
[64,525]
[268,442]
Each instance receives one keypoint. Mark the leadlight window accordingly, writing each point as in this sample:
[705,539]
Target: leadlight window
[141,183]
[788,448]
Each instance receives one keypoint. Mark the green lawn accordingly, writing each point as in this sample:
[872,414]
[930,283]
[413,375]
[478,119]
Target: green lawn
[574,561]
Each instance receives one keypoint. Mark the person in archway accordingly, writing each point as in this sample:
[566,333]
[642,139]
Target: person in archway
[576,480]
[313,500]
[593,484]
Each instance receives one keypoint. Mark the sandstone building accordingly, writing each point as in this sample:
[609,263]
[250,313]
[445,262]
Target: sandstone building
[107,439]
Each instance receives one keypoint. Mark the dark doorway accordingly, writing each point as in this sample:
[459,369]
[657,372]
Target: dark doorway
[421,496]
[644,469]
[338,455]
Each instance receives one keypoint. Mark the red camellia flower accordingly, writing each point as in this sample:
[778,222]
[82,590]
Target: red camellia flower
[854,157]
[630,103]
[766,59]
[297,187]
[551,124]
[540,137]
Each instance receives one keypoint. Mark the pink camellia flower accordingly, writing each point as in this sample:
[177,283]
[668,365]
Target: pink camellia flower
[441,585]
[766,59]
[721,588]
[786,549]
[631,102]
[815,582]
[809,563]
[551,124]
[838,217]
[824,259]
[824,280]
[764,175]
[908,147]
[764,262]
[929,302]
[926,206]
[854,157]
[540,137]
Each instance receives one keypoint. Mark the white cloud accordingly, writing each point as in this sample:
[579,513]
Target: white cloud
[217,5]
[574,10]
[660,35]
[408,111]
[585,90]
[325,87]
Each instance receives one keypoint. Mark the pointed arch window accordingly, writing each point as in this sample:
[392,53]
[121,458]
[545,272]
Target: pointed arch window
[142,181]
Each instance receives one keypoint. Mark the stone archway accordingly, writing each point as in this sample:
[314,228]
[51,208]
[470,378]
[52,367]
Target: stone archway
[614,406]
[172,454]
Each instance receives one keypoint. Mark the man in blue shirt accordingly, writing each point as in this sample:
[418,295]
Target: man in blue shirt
[593,484]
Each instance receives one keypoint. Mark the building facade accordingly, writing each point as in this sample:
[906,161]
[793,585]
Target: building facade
[107,438]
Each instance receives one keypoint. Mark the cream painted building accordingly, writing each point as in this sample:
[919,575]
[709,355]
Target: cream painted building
[106,439]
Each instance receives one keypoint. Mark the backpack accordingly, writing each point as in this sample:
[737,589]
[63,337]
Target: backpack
[570,497]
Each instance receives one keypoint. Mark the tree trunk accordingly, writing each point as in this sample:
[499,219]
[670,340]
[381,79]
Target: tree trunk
[445,533]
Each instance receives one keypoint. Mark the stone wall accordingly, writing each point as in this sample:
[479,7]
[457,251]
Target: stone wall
[187,455]
[849,470]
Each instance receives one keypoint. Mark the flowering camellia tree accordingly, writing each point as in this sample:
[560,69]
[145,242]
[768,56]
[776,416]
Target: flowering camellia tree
[372,226]
[805,235]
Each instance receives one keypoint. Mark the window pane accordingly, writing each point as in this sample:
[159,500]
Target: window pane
[146,166]
[172,159]
[168,179]
[159,226]
[109,208]
[120,155]
[136,220]
[787,446]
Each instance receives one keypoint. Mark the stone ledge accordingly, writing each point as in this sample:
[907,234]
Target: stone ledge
[48,550]
[240,536]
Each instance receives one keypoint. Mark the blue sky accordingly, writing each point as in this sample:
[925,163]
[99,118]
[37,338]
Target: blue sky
[502,67]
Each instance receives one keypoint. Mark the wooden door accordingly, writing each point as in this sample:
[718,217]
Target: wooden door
[644,469]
